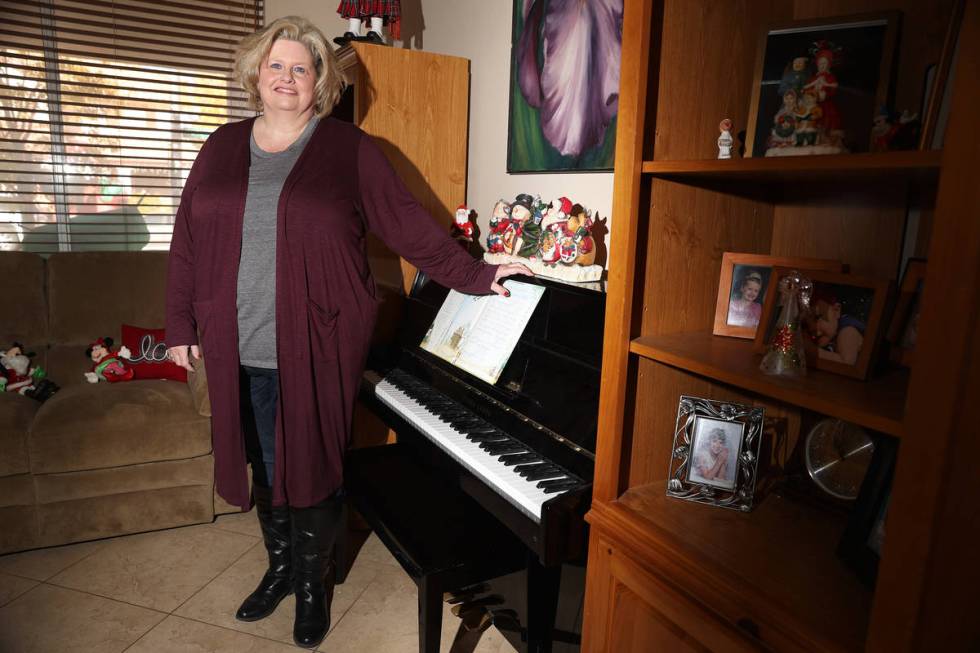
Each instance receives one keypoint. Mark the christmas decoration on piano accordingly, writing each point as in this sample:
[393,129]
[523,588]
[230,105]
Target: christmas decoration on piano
[554,239]
[785,355]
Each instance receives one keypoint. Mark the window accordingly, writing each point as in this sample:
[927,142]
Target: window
[103,107]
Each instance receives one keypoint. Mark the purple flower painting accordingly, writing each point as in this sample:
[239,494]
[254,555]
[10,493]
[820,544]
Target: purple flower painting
[564,84]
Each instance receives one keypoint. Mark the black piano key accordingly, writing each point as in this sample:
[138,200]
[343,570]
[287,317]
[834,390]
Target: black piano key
[546,468]
[515,458]
[545,473]
[487,445]
[557,482]
[521,469]
[558,488]
[495,449]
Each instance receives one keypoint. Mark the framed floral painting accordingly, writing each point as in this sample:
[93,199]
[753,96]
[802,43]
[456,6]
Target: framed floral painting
[564,85]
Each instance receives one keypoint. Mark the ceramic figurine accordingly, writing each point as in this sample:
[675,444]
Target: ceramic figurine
[378,12]
[725,141]
[463,227]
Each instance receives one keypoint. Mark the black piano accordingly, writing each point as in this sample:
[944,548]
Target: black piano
[482,498]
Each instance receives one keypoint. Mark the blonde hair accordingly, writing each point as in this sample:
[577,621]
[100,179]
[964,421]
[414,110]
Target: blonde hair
[254,49]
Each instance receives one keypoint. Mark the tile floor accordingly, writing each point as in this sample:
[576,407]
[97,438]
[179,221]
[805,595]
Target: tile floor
[177,591]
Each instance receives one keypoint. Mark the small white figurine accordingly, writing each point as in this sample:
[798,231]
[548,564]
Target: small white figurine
[725,141]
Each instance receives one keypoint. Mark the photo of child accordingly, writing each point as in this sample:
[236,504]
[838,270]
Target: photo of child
[748,294]
[715,448]
[837,320]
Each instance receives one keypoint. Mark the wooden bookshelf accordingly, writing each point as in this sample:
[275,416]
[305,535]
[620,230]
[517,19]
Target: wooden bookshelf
[878,404]
[670,575]
[729,557]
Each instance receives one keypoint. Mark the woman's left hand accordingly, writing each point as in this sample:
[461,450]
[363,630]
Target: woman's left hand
[506,271]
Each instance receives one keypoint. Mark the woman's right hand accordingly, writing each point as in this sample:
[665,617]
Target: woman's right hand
[179,356]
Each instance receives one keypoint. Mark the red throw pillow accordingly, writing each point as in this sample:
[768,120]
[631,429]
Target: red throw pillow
[148,351]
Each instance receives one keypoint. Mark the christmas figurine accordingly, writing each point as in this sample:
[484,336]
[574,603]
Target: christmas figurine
[380,13]
[106,364]
[786,356]
[499,221]
[463,227]
[23,378]
[725,141]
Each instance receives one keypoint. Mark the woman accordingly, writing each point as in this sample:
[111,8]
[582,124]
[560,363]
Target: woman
[268,263]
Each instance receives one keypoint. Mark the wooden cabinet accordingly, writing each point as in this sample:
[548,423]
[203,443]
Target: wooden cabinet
[669,575]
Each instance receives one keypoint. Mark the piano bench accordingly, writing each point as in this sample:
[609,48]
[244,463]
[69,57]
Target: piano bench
[442,538]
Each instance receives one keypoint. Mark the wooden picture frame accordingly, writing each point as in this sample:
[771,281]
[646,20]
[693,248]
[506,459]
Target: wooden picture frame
[936,111]
[859,303]
[725,324]
[903,328]
[779,45]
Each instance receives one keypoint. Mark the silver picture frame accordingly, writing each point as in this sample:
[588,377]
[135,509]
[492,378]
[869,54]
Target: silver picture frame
[715,455]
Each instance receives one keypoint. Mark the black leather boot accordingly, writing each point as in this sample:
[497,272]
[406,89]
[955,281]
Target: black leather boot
[314,532]
[277,582]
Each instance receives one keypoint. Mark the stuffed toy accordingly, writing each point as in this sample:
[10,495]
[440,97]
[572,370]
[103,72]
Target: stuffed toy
[106,364]
[23,378]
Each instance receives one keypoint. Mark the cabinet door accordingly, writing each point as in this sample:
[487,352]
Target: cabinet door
[632,609]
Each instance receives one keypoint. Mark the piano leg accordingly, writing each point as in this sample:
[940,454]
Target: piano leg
[542,604]
[430,615]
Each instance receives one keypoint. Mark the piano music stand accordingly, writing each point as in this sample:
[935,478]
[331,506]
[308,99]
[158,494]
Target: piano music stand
[441,538]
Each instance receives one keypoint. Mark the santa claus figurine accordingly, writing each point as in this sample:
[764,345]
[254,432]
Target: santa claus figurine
[23,378]
[106,364]
[463,227]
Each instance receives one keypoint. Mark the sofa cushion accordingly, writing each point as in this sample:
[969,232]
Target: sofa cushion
[121,514]
[100,425]
[68,486]
[18,514]
[16,414]
[90,294]
[23,288]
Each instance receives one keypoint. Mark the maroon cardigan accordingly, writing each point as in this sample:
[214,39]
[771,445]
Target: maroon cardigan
[341,187]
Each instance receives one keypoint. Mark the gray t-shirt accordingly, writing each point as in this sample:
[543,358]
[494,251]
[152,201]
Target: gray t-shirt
[257,266]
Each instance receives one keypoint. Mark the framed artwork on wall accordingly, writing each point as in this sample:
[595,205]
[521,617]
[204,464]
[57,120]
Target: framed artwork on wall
[564,85]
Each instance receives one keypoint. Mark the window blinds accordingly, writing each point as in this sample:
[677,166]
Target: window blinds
[103,107]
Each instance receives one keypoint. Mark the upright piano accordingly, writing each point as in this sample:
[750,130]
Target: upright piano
[508,466]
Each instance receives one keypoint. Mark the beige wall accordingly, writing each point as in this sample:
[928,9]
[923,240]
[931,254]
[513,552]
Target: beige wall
[478,30]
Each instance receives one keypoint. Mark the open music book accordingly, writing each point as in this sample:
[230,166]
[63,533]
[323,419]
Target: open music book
[478,333]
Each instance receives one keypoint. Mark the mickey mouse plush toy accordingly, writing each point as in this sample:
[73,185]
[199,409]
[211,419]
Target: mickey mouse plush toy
[106,365]
[20,376]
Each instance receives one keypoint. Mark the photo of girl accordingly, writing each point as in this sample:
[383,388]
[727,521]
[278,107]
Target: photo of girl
[715,448]
[748,294]
[837,321]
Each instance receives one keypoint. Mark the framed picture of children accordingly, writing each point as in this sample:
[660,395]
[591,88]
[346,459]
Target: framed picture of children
[841,327]
[819,83]
[744,285]
[715,453]
[903,331]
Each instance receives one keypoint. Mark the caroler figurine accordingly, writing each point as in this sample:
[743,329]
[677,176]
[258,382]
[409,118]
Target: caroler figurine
[379,12]
[725,141]
[786,356]
[106,364]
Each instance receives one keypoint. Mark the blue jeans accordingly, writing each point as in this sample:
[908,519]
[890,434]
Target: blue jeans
[259,396]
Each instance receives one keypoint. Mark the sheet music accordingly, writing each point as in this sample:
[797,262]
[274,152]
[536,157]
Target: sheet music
[478,333]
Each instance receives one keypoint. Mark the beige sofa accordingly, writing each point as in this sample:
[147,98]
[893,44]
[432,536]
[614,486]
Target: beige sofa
[96,460]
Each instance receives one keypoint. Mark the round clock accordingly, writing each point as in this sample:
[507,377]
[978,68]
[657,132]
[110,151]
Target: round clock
[837,457]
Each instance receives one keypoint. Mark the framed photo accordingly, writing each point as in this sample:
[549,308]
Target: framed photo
[841,328]
[904,328]
[564,86]
[715,453]
[864,536]
[939,88]
[744,286]
[818,84]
